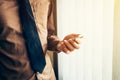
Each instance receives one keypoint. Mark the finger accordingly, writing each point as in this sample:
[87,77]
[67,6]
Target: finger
[72,36]
[80,36]
[65,50]
[77,36]
[62,47]
[74,44]
[77,40]
[59,46]
[69,46]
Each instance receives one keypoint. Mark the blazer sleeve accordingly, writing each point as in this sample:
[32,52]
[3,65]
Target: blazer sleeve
[52,38]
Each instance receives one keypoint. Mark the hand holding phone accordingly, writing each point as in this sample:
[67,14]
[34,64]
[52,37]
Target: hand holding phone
[70,43]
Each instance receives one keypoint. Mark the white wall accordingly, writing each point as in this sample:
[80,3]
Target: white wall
[93,19]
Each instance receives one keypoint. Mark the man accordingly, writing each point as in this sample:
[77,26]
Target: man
[14,58]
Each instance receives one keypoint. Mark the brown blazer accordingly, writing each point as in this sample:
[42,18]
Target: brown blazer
[14,60]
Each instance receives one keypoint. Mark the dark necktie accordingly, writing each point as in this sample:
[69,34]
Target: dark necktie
[33,44]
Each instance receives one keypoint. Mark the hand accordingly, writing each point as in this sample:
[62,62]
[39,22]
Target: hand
[70,43]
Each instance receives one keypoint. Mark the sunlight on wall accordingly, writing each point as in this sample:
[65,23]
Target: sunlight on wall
[93,19]
[116,52]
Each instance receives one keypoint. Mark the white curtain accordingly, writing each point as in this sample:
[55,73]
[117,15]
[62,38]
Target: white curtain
[93,19]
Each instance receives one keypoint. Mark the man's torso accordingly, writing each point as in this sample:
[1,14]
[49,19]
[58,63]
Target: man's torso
[13,54]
